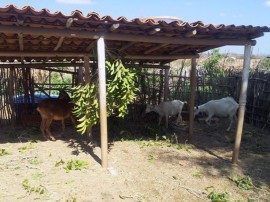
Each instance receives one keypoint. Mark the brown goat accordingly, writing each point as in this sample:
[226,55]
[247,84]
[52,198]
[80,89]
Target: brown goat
[55,109]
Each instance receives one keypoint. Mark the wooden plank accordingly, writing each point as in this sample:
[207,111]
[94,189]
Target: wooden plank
[122,37]
[59,43]
[43,54]
[20,36]
[114,27]
[127,46]
[42,66]
[90,46]
[147,66]
[41,89]
[178,50]
[191,33]
[61,39]
[153,31]
[155,48]
[160,57]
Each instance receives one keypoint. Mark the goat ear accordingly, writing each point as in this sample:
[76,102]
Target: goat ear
[197,107]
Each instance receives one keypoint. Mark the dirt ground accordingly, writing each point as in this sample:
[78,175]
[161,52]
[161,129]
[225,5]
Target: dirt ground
[140,169]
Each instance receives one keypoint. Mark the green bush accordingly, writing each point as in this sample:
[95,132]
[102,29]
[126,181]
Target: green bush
[121,91]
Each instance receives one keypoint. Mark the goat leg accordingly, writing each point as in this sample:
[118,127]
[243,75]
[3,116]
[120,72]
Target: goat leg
[167,120]
[231,121]
[179,119]
[42,128]
[208,121]
[48,123]
[159,120]
[63,128]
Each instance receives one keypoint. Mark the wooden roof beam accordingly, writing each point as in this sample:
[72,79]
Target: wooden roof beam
[90,46]
[20,22]
[43,54]
[178,50]
[191,33]
[200,50]
[147,66]
[60,41]
[153,31]
[124,37]
[114,27]
[126,46]
[20,36]
[155,48]
[257,35]
[160,57]
[41,65]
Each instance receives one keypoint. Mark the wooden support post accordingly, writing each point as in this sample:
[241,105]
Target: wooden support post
[102,101]
[86,69]
[166,85]
[80,75]
[11,95]
[86,81]
[242,103]
[74,77]
[161,86]
[192,97]
[50,81]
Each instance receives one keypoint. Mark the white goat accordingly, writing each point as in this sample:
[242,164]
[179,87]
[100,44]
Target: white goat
[223,107]
[166,109]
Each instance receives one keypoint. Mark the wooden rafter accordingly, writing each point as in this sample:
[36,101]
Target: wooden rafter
[61,39]
[191,33]
[20,22]
[114,27]
[155,48]
[20,36]
[147,66]
[160,57]
[153,31]
[178,50]
[90,46]
[127,46]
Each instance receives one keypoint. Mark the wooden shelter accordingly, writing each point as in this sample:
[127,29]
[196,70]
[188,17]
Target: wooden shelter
[27,35]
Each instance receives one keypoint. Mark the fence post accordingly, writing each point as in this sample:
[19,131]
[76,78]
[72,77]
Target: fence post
[192,97]
[161,85]
[166,85]
[242,103]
